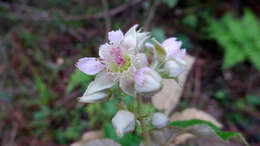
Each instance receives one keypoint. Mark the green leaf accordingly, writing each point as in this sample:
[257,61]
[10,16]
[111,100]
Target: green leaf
[232,57]
[127,140]
[77,78]
[158,34]
[253,100]
[44,94]
[205,128]
[239,44]
[171,3]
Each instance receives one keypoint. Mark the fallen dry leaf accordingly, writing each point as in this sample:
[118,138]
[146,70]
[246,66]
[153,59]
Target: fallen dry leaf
[102,142]
[89,136]
[182,138]
[92,135]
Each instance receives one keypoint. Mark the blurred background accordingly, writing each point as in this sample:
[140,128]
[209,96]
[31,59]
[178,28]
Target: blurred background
[40,41]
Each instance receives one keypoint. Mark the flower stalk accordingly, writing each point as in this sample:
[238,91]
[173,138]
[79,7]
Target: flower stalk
[145,132]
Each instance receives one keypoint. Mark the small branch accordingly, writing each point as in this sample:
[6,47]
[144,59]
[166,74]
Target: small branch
[34,14]
[151,14]
[107,18]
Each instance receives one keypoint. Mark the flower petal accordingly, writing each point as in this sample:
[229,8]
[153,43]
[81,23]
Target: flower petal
[102,81]
[130,40]
[115,36]
[97,96]
[140,60]
[126,84]
[173,48]
[169,41]
[141,39]
[89,65]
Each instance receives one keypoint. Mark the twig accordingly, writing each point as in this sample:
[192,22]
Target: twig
[107,17]
[151,14]
[34,14]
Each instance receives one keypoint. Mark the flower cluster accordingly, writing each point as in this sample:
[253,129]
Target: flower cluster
[123,60]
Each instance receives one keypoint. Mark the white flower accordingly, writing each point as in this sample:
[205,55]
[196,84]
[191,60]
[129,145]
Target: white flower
[159,120]
[118,61]
[147,80]
[123,122]
[170,54]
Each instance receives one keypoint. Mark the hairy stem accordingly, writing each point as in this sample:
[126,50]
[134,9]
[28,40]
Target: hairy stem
[145,132]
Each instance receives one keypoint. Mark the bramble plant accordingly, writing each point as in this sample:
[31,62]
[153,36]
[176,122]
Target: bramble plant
[123,62]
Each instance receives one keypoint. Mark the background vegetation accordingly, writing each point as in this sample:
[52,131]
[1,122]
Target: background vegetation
[41,40]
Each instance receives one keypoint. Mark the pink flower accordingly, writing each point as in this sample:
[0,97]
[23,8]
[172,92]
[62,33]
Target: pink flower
[118,61]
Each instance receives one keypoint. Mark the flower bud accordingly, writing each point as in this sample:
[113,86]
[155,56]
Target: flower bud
[147,80]
[174,68]
[159,120]
[123,122]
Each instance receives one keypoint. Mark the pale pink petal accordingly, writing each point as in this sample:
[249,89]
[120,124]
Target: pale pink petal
[89,65]
[182,53]
[169,41]
[139,75]
[115,36]
[127,85]
[173,48]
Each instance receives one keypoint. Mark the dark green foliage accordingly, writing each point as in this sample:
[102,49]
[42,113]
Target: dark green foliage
[78,78]
[239,38]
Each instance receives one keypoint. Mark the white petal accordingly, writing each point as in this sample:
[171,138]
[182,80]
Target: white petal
[130,39]
[159,120]
[89,65]
[141,39]
[140,60]
[104,50]
[115,36]
[126,84]
[94,97]
[102,81]
[123,122]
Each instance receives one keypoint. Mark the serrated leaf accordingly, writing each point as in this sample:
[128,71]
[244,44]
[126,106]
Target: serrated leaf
[239,44]
[206,129]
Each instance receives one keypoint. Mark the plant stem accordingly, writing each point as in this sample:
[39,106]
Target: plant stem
[145,133]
